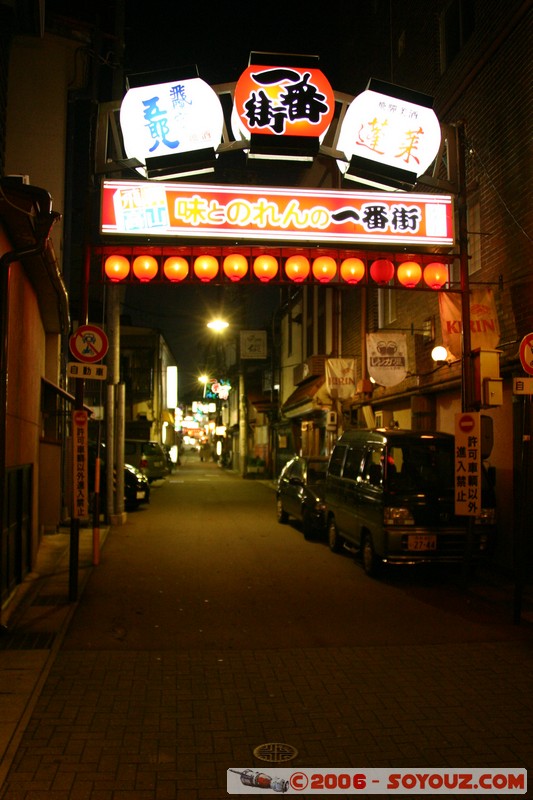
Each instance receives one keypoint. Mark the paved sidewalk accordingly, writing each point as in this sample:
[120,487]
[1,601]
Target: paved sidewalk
[32,635]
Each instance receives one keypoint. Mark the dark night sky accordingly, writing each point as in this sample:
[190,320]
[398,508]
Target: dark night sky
[219,38]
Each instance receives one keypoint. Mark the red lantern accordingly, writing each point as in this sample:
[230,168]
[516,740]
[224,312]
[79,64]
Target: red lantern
[235,266]
[382,271]
[176,268]
[324,268]
[116,268]
[436,274]
[409,274]
[205,268]
[265,268]
[352,270]
[297,268]
[145,268]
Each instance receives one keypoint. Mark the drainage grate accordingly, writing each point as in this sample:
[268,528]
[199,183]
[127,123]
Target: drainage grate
[275,752]
[26,641]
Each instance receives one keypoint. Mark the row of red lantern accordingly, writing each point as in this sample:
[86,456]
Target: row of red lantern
[265,267]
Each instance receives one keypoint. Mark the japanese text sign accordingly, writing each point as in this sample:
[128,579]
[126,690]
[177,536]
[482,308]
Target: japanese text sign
[468,464]
[282,101]
[79,464]
[282,214]
[170,118]
[393,130]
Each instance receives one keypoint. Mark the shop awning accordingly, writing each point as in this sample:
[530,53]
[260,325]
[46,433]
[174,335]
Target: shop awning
[307,398]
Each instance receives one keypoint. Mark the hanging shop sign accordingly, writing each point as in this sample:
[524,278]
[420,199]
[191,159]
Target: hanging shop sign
[275,213]
[393,127]
[282,101]
[386,357]
[484,322]
[169,119]
[340,377]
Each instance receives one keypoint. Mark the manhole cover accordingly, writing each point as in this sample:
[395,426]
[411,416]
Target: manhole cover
[275,752]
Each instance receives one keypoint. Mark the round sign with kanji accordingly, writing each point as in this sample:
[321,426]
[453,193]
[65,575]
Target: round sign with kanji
[526,353]
[89,343]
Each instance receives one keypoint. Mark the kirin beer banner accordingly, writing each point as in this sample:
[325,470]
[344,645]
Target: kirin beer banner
[484,323]
[340,377]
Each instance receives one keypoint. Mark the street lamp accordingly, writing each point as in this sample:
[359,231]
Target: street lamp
[219,325]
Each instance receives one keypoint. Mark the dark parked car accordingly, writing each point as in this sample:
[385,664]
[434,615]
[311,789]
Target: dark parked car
[136,484]
[149,457]
[136,488]
[300,494]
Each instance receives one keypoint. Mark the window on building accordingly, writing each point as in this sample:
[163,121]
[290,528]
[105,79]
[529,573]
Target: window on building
[456,26]
[387,313]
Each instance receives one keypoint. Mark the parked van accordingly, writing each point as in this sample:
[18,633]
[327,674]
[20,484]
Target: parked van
[390,496]
[149,457]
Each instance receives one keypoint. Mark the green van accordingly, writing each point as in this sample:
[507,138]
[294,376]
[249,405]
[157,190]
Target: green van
[390,497]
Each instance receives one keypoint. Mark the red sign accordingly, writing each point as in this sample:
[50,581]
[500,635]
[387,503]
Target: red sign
[281,214]
[79,464]
[89,343]
[466,423]
[283,101]
[526,353]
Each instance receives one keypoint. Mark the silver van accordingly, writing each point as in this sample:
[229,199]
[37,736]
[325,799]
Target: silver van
[390,497]
[149,457]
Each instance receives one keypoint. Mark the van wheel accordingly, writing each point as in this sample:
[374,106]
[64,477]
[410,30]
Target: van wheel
[282,515]
[334,539]
[368,556]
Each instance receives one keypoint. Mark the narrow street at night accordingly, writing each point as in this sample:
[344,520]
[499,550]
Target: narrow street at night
[208,630]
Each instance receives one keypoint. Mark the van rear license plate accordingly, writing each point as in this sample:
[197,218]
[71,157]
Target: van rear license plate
[420,541]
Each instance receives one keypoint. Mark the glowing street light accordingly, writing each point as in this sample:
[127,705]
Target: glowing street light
[218,325]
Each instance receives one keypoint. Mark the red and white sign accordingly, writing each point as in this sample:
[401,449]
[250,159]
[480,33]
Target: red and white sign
[468,464]
[282,101]
[170,119]
[89,344]
[526,353]
[281,214]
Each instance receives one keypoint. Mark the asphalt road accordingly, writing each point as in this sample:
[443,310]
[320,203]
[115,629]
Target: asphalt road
[207,566]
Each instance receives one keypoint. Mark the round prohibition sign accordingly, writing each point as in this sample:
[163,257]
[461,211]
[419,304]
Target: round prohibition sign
[467,423]
[526,353]
[89,343]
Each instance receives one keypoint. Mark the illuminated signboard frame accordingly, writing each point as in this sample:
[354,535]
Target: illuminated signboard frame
[143,208]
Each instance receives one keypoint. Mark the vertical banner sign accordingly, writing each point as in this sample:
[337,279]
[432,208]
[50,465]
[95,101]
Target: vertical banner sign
[468,464]
[80,465]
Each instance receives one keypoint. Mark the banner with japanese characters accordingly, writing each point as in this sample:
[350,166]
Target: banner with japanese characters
[386,357]
[340,377]
[484,323]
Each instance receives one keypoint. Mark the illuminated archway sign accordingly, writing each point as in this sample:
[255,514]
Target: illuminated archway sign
[209,211]
[173,128]
[283,105]
[389,135]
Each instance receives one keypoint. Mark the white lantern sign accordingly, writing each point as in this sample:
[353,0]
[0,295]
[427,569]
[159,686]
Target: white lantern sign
[392,127]
[169,119]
